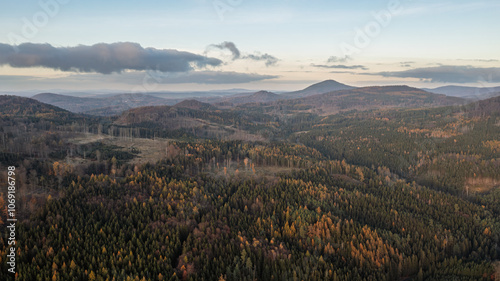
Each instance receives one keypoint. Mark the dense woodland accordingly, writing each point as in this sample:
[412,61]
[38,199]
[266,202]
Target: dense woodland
[400,194]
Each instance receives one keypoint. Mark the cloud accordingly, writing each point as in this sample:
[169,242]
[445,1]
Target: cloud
[340,66]
[227,46]
[270,60]
[448,74]
[334,59]
[102,58]
[406,63]
[344,72]
[236,53]
[480,60]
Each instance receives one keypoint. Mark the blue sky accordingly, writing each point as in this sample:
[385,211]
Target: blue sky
[282,44]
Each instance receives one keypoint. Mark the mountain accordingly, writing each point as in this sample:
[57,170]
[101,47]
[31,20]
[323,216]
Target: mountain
[110,105]
[368,98]
[467,92]
[194,104]
[27,107]
[258,97]
[318,88]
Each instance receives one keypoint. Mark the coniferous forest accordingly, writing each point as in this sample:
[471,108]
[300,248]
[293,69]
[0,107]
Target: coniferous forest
[255,193]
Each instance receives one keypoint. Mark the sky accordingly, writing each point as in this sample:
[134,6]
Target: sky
[277,45]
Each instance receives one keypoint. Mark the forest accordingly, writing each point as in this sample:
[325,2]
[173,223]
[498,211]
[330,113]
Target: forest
[380,194]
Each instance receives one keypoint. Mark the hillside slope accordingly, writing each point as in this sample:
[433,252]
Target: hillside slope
[27,107]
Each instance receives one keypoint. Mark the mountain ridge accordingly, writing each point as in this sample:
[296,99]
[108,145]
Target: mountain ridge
[109,105]
[369,98]
[318,88]
[466,92]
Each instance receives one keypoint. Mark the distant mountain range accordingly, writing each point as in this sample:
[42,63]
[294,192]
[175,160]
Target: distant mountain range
[103,106]
[265,96]
[208,120]
[258,97]
[475,93]
[106,105]
[336,96]
[367,98]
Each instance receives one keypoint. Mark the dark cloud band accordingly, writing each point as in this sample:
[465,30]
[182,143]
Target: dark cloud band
[102,58]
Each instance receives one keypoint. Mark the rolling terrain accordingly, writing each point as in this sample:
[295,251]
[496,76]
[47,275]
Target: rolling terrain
[373,183]
[362,99]
[328,96]
[101,106]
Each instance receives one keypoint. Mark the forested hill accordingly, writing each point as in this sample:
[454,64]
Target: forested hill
[484,108]
[194,104]
[369,98]
[258,97]
[195,119]
[11,106]
[318,88]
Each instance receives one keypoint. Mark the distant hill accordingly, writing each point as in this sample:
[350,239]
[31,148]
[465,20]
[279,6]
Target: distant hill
[467,92]
[194,104]
[318,88]
[70,103]
[168,117]
[208,122]
[258,97]
[27,107]
[110,105]
[368,98]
